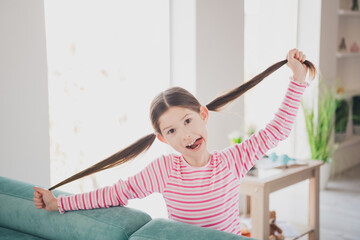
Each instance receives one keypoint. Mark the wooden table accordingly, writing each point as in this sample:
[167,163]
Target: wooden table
[258,190]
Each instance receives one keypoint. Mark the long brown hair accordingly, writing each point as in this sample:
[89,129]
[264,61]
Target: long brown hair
[172,97]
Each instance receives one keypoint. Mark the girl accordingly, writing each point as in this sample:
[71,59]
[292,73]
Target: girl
[199,187]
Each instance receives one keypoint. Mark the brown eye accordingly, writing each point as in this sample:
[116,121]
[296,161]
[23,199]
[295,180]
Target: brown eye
[171,131]
[187,121]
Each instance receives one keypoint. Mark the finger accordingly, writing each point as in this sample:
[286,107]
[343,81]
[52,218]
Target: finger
[37,194]
[39,204]
[39,207]
[38,200]
[292,54]
[296,54]
[301,54]
[40,190]
[303,58]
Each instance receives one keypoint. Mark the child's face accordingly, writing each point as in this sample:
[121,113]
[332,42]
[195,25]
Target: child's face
[185,131]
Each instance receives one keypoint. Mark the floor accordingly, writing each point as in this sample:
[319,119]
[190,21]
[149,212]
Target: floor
[340,207]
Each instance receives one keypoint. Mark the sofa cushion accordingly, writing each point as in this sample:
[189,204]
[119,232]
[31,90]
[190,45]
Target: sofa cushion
[8,234]
[17,212]
[167,229]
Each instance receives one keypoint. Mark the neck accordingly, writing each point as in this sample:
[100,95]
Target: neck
[198,162]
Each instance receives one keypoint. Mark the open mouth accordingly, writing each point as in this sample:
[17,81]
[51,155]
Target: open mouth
[195,144]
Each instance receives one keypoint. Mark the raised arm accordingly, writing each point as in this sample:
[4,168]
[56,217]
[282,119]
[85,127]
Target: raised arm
[241,157]
[151,179]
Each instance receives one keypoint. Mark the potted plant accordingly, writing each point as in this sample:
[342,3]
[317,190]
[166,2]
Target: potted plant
[341,119]
[356,114]
[320,128]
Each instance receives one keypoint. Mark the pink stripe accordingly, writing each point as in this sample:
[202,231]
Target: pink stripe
[133,191]
[241,160]
[97,199]
[166,168]
[161,174]
[277,115]
[289,106]
[295,100]
[272,133]
[293,115]
[62,204]
[301,86]
[207,217]
[291,90]
[151,183]
[217,223]
[124,189]
[199,186]
[198,171]
[227,160]
[237,169]
[229,225]
[252,145]
[83,198]
[143,180]
[196,210]
[205,201]
[91,205]
[198,194]
[76,201]
[157,181]
[262,153]
[103,196]
[110,197]
[263,141]
[137,184]
[248,155]
[282,125]
[277,129]
[118,195]
[70,204]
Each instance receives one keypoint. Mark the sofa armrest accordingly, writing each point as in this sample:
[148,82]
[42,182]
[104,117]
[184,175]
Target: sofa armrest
[163,229]
[17,212]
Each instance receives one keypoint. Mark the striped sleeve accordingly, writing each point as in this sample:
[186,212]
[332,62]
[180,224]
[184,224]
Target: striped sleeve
[241,157]
[151,179]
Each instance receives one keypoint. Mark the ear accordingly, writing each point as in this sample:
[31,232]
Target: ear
[204,113]
[161,138]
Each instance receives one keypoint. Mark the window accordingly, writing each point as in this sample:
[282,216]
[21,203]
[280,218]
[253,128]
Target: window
[106,62]
[270,32]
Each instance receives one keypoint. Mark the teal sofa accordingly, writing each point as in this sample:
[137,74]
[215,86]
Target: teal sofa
[19,219]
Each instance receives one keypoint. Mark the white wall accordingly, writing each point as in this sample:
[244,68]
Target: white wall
[208,58]
[347,154]
[24,122]
[220,63]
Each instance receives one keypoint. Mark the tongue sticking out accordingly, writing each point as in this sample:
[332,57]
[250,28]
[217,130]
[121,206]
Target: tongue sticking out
[196,144]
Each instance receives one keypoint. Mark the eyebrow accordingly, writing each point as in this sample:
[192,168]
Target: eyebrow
[171,125]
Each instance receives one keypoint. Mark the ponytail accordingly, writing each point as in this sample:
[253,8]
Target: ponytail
[220,102]
[116,159]
[144,143]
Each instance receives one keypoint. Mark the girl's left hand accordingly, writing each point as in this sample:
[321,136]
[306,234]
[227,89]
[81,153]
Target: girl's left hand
[295,62]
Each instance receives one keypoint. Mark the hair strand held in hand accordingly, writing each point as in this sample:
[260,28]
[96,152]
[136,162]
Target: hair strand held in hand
[175,97]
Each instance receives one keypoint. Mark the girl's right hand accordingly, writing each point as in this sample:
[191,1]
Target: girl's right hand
[296,60]
[45,199]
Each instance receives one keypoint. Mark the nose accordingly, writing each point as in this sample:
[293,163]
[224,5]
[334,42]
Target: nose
[186,134]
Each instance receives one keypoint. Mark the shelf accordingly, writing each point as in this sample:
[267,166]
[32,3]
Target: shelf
[349,13]
[302,229]
[287,227]
[349,141]
[341,55]
[348,94]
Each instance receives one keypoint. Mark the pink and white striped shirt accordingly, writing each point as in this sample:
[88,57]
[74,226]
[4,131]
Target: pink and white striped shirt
[206,196]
